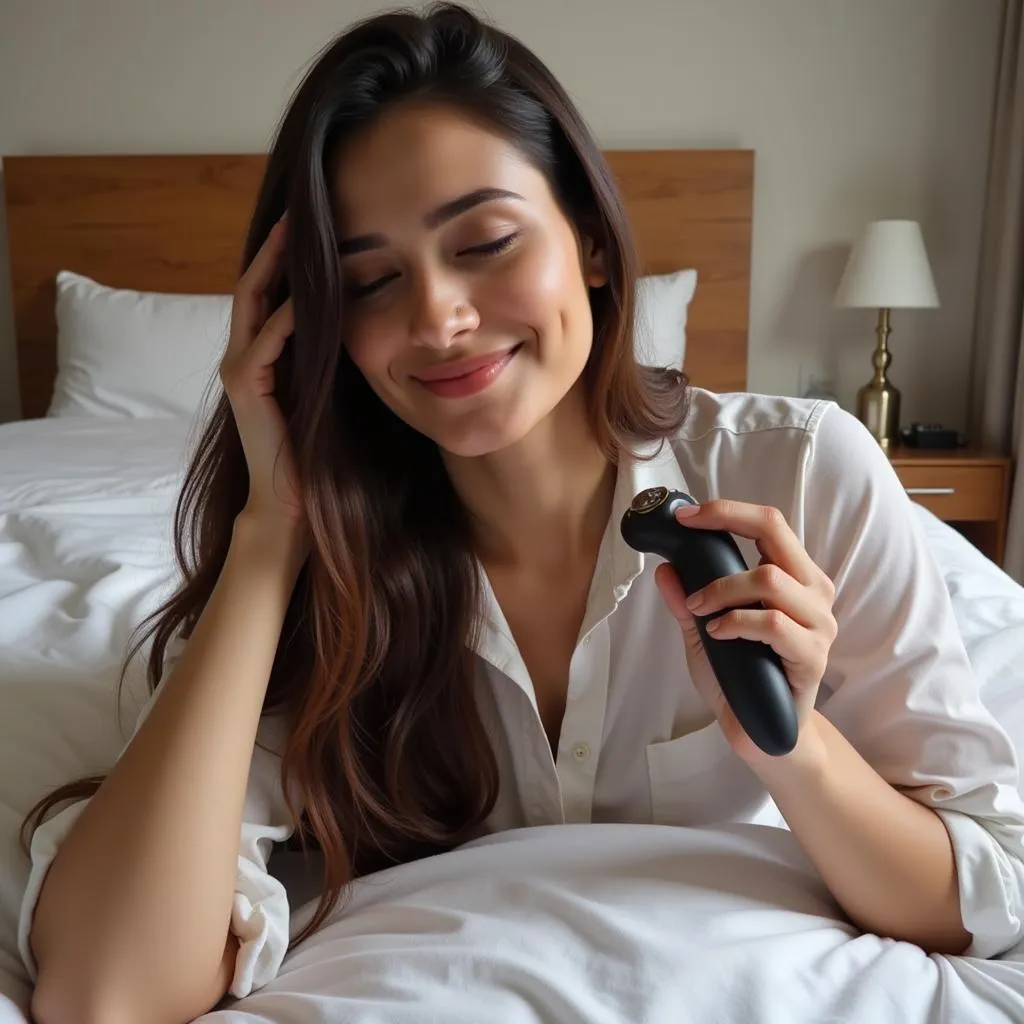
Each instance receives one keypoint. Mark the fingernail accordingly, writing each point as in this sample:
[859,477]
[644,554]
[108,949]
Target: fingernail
[695,601]
[712,626]
[685,511]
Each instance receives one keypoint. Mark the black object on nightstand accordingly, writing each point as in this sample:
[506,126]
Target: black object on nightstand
[931,435]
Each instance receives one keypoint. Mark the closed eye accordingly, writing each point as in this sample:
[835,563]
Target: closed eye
[361,291]
[491,248]
[499,245]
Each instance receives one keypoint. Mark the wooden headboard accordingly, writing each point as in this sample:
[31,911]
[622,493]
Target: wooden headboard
[176,224]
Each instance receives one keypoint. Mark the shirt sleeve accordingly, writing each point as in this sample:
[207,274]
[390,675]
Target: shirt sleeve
[899,684]
[259,911]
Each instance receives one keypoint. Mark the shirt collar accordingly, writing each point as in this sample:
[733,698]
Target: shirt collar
[653,464]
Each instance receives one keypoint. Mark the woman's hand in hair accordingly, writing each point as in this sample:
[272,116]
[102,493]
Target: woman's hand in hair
[257,337]
[792,613]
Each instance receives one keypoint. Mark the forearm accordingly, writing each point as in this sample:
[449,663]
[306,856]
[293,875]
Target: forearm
[887,859]
[137,901]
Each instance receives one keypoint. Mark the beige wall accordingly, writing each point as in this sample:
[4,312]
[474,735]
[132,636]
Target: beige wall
[858,109]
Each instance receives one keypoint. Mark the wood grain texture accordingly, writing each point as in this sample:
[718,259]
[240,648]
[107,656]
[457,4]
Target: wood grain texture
[176,223]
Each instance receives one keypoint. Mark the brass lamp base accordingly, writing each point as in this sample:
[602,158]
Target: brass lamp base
[878,402]
[878,408]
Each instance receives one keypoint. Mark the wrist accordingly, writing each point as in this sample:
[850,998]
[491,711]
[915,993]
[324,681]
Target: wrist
[281,546]
[807,761]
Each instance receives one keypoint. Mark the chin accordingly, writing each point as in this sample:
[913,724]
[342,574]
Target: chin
[482,431]
[472,436]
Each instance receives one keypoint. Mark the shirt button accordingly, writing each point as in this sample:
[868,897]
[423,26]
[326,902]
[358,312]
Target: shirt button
[581,751]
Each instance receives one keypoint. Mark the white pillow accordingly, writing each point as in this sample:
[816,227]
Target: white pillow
[152,354]
[131,353]
[662,303]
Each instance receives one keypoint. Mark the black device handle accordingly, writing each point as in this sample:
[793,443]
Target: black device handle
[749,672]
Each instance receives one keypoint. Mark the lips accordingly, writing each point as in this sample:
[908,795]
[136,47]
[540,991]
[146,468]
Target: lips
[452,371]
[466,376]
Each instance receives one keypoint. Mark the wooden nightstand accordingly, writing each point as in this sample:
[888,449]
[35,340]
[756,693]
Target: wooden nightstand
[967,488]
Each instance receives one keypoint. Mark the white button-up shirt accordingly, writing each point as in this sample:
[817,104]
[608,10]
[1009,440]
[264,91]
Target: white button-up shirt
[638,744]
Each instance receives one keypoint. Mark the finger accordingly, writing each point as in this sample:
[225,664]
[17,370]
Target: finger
[246,372]
[768,585]
[668,582]
[795,645]
[276,331]
[765,525]
[254,283]
[262,271]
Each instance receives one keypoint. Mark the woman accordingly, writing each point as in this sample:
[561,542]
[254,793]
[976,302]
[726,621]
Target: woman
[407,567]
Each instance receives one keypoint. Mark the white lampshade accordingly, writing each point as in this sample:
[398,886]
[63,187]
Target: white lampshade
[888,268]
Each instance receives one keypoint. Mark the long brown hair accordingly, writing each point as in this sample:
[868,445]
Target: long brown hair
[386,750]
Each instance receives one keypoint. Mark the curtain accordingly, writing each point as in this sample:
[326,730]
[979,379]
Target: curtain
[996,407]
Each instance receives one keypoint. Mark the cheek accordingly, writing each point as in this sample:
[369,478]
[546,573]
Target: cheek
[539,288]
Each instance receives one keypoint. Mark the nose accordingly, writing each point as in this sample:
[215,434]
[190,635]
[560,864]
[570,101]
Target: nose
[442,310]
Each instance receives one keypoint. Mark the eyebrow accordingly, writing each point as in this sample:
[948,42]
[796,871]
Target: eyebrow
[446,212]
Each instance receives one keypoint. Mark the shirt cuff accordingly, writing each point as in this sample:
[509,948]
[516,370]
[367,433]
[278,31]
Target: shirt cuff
[259,911]
[990,890]
[46,841]
[260,921]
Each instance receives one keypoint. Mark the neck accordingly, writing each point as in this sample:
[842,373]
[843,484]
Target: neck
[543,501]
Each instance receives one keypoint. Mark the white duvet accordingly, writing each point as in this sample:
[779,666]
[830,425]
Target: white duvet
[84,554]
[613,924]
[575,923]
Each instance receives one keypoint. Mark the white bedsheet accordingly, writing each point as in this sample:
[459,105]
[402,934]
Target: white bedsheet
[989,610]
[581,923]
[85,553]
[616,924]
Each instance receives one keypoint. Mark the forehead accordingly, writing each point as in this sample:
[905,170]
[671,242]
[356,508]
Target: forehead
[417,157]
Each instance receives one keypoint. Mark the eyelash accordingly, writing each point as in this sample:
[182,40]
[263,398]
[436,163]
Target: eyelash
[499,245]
[493,248]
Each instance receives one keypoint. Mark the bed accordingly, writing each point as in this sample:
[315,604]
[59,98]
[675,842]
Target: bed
[594,923]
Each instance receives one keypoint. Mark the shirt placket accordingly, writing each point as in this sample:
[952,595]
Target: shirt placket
[579,744]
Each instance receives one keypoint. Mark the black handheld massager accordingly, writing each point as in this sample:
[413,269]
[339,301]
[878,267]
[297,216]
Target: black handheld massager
[749,672]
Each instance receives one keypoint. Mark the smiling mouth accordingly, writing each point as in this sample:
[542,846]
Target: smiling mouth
[467,377]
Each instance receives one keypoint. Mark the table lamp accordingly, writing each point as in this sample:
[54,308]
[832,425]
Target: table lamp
[888,269]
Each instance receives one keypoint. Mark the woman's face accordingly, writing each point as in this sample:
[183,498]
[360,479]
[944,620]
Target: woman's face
[466,287]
